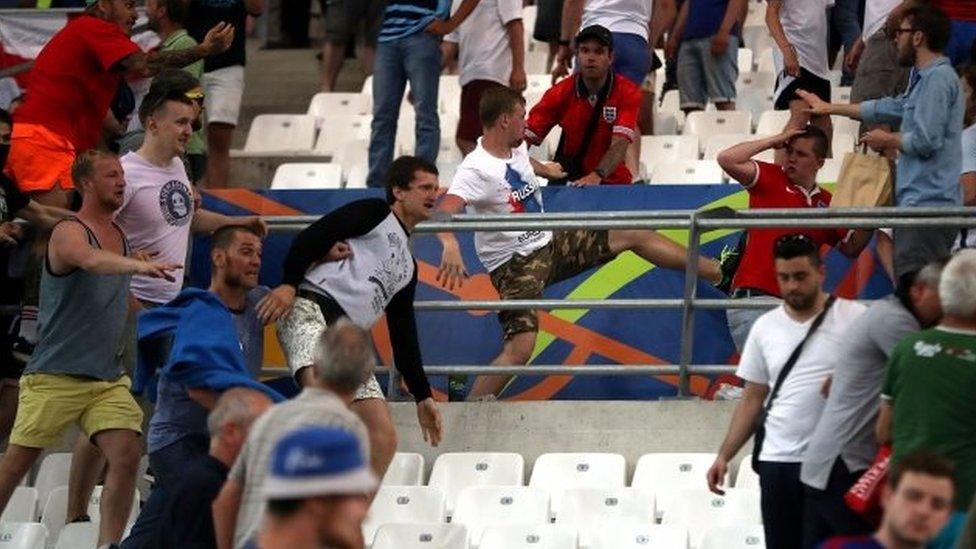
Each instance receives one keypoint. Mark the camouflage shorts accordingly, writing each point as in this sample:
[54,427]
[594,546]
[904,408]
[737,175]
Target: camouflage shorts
[524,277]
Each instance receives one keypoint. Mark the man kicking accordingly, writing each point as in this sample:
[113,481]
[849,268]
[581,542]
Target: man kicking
[370,273]
[499,177]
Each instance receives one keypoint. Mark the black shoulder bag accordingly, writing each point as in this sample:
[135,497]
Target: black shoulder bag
[573,165]
[759,432]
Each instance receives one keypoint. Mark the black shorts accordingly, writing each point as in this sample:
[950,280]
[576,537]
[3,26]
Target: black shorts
[344,18]
[806,82]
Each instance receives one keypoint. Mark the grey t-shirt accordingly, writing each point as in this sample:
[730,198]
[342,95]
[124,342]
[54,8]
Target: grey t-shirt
[846,426]
[177,415]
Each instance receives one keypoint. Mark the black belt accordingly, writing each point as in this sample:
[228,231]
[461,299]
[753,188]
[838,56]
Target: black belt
[331,310]
[740,293]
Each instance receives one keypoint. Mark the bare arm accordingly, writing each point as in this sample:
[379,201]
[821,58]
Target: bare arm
[42,215]
[206,222]
[665,12]
[883,429]
[446,27]
[968,183]
[146,64]
[614,155]
[516,42]
[737,160]
[791,63]
[572,16]
[225,509]
[820,107]
[740,429]
[203,397]
[733,13]
[69,249]
[451,272]
[674,38]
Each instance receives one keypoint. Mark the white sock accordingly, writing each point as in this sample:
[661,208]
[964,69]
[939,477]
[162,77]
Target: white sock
[28,323]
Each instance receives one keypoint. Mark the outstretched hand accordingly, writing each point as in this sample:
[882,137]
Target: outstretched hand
[219,38]
[431,423]
[276,304]
[817,106]
[451,273]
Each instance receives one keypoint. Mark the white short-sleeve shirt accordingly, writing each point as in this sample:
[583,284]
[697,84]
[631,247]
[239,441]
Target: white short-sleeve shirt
[805,25]
[492,185]
[484,52]
[627,16]
[797,408]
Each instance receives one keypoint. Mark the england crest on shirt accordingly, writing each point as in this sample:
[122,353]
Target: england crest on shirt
[523,197]
[175,203]
[610,114]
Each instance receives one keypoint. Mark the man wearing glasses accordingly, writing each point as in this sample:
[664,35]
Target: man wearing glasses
[929,142]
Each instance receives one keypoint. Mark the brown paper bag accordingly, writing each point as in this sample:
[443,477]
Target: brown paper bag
[864,182]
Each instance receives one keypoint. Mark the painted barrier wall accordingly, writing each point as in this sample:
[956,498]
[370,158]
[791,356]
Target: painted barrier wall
[569,336]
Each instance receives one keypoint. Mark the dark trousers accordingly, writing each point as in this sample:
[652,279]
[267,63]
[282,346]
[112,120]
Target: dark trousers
[824,512]
[169,463]
[782,499]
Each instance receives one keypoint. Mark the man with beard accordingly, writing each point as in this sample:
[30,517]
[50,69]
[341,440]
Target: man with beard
[779,337]
[929,143]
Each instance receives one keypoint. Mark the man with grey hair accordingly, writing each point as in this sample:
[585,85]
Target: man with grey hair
[843,443]
[927,399]
[344,359]
[180,515]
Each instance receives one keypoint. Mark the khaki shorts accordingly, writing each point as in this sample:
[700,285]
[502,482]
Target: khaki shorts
[525,277]
[50,403]
[299,335]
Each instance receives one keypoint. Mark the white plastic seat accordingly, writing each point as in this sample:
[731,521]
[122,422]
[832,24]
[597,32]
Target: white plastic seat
[421,536]
[449,94]
[693,508]
[670,102]
[699,172]
[592,509]
[529,536]
[94,505]
[53,472]
[538,82]
[830,170]
[665,473]
[403,504]
[841,145]
[845,126]
[717,143]
[22,506]
[765,61]
[745,477]
[455,471]
[642,536]
[666,123]
[307,175]
[406,469]
[536,60]
[445,173]
[840,94]
[531,98]
[754,92]
[772,122]
[708,123]
[757,37]
[481,506]
[22,535]
[744,59]
[78,535]
[755,16]
[55,511]
[334,103]
[448,152]
[449,123]
[352,153]
[662,149]
[281,133]
[558,472]
[336,129]
[734,537]
[356,176]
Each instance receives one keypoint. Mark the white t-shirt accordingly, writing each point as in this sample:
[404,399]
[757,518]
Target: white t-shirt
[805,25]
[629,16]
[484,50]
[491,185]
[875,14]
[797,408]
[155,217]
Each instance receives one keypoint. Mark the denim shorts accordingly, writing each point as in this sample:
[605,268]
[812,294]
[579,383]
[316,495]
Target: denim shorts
[703,77]
[631,56]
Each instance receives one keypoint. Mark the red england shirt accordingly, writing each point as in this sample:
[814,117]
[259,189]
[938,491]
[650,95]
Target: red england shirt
[772,189]
[75,78]
[569,105]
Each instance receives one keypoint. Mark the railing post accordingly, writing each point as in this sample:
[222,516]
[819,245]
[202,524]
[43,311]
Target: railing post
[688,309]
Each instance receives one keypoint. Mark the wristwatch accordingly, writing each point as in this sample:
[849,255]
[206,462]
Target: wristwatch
[601,172]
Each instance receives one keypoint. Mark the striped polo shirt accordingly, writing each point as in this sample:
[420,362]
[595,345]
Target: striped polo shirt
[403,18]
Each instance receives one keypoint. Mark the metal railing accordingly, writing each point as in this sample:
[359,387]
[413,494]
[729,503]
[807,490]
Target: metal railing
[696,222]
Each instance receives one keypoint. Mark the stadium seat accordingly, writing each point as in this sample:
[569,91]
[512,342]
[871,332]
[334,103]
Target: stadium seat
[538,82]
[307,176]
[744,59]
[449,94]
[717,143]
[22,506]
[670,102]
[529,15]
[842,144]
[531,98]
[558,472]
[454,471]
[592,509]
[765,61]
[354,152]
[406,469]
[708,123]
[665,473]
[53,472]
[834,77]
[94,505]
[772,122]
[449,152]
[734,537]
[54,513]
[529,536]
[331,104]
[757,38]
[694,508]
[421,536]
[403,504]
[481,506]
[537,60]
[844,125]
[755,16]
[445,173]
[662,149]
[336,129]
[78,535]
[745,477]
[642,536]
[701,172]
[281,133]
[356,176]
[754,92]
[449,123]
[367,88]
[830,170]
[666,123]
[840,94]
[22,535]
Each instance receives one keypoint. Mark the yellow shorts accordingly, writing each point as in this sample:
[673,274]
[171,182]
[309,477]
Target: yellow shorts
[50,403]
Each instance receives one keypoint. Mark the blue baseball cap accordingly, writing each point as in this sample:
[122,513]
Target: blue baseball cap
[318,461]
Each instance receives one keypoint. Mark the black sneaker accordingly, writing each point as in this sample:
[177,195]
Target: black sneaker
[728,262]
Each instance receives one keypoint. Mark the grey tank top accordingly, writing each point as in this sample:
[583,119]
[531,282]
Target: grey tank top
[81,319]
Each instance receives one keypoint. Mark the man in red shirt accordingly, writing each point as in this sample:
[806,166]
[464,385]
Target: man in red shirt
[571,103]
[790,185]
[73,81]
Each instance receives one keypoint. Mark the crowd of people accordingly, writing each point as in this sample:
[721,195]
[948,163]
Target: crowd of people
[108,208]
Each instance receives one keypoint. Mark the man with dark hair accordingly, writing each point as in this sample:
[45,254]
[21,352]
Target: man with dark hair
[929,143]
[791,184]
[377,274]
[791,417]
[917,501]
[499,176]
[76,375]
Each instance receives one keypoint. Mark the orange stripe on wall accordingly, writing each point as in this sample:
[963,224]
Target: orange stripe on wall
[250,200]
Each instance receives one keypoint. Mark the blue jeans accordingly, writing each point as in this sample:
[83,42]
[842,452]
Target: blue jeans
[845,29]
[703,77]
[960,47]
[417,59]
